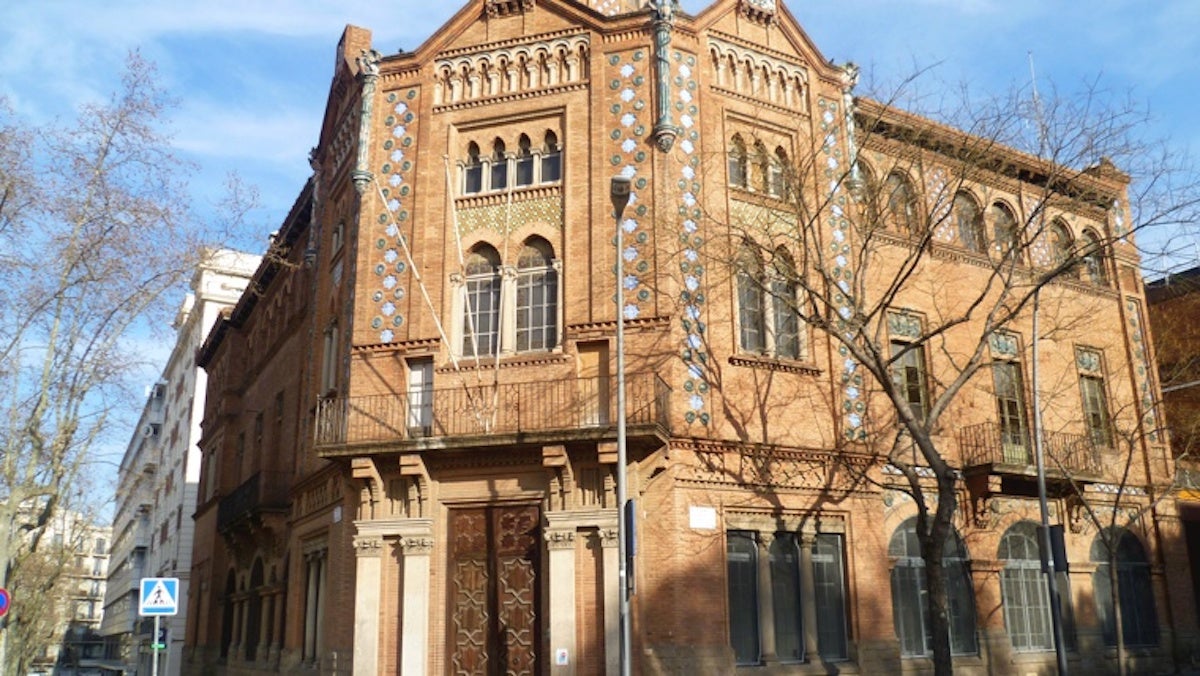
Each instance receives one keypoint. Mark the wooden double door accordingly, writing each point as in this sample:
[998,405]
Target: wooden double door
[495,596]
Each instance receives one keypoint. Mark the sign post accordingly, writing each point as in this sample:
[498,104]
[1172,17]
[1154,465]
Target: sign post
[159,596]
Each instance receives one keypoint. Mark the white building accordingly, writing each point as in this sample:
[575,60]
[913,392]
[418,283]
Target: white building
[75,603]
[159,474]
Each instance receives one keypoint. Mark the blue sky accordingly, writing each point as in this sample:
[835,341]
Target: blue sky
[252,77]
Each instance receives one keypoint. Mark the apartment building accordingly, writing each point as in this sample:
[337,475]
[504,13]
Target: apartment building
[159,474]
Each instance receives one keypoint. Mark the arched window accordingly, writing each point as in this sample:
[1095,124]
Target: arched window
[778,185]
[866,192]
[1004,231]
[1058,243]
[537,297]
[1023,588]
[1139,618]
[254,612]
[551,159]
[901,203]
[786,323]
[909,612]
[969,221]
[481,319]
[763,160]
[1091,252]
[738,169]
[227,613]
[751,315]
[524,162]
[473,171]
[499,166]
[768,321]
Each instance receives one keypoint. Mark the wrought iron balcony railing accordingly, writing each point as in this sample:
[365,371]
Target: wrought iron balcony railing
[565,404]
[263,492]
[989,444]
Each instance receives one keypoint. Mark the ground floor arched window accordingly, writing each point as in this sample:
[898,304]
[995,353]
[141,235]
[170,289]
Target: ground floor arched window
[909,609]
[1139,618]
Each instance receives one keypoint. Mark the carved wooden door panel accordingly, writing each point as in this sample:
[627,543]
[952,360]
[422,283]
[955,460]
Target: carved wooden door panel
[494,624]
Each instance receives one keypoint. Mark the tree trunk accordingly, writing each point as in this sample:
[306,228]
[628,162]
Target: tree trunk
[933,547]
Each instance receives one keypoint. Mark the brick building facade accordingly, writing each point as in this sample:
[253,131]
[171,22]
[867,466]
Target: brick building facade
[409,440]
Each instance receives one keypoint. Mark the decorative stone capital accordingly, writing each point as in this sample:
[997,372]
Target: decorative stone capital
[368,545]
[362,179]
[416,546]
[609,537]
[560,539]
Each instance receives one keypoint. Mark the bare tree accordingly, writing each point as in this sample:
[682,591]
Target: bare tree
[94,228]
[919,249]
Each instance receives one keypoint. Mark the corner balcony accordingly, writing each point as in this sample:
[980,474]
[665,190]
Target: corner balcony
[474,415]
[987,448]
[261,498]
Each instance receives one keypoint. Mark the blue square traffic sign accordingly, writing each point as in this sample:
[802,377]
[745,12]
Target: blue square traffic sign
[159,596]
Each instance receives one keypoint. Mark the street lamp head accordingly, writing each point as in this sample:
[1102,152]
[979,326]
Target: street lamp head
[619,192]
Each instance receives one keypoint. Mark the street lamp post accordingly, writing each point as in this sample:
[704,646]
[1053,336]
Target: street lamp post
[619,193]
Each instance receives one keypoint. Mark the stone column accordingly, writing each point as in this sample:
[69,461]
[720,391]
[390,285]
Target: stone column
[414,642]
[561,543]
[277,643]
[808,593]
[239,627]
[612,622]
[766,599]
[368,561]
[265,615]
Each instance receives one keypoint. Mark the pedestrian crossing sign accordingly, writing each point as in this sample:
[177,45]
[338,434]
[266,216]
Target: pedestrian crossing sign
[160,596]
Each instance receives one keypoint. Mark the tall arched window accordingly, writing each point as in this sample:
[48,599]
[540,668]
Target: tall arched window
[473,171]
[1023,588]
[499,166]
[778,184]
[1091,252]
[763,159]
[227,613]
[786,322]
[1004,230]
[524,162]
[901,203]
[738,169]
[768,321]
[866,192]
[969,221]
[751,315]
[1139,618]
[1058,243]
[551,159]
[908,593]
[537,297]
[254,612]
[481,320]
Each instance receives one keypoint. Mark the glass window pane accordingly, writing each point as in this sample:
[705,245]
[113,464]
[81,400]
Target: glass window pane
[742,560]
[829,587]
[785,593]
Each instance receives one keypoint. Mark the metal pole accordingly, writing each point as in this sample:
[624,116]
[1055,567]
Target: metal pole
[619,193]
[1060,648]
[154,649]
